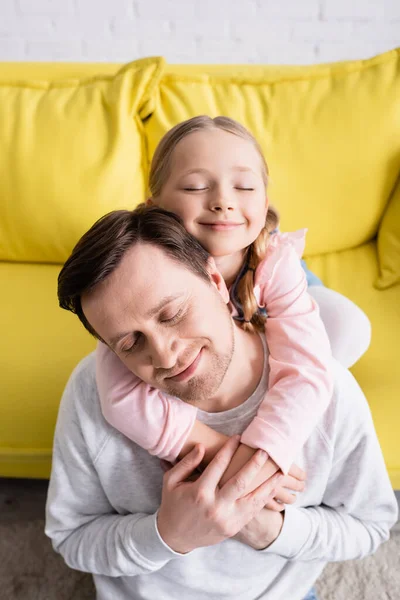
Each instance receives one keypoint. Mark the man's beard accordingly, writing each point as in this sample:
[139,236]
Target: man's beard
[204,386]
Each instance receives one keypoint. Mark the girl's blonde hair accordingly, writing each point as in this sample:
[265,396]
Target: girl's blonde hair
[159,173]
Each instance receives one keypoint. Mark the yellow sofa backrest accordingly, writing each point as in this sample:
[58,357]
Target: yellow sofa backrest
[330,134]
[71,150]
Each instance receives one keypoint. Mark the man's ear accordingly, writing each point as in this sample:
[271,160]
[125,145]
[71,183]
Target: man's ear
[217,280]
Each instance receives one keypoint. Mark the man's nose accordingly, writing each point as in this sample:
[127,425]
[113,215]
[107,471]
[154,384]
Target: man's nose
[220,200]
[163,350]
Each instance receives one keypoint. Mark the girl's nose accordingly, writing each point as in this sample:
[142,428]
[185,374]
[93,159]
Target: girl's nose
[220,202]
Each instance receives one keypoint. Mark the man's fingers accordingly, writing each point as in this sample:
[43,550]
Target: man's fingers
[216,468]
[237,485]
[298,473]
[264,493]
[185,467]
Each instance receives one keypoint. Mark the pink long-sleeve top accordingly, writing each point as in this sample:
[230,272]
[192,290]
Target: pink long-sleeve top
[300,380]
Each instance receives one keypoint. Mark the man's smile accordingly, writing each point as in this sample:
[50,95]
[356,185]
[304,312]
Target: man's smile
[187,371]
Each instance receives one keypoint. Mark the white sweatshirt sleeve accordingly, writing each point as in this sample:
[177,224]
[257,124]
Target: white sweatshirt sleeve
[82,524]
[358,507]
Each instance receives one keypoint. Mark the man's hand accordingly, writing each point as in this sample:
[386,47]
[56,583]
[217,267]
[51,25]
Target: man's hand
[262,530]
[200,513]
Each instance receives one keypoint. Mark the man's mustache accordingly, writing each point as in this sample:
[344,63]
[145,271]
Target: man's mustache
[183,363]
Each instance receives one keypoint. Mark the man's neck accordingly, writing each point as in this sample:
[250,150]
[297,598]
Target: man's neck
[243,375]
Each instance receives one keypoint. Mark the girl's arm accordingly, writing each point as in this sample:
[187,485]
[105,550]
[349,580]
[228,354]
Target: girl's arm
[158,423]
[300,382]
[300,379]
[162,425]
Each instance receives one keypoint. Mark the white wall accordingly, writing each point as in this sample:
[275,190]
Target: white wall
[192,31]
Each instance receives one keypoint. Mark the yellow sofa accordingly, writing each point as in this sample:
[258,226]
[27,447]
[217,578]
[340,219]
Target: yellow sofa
[76,141]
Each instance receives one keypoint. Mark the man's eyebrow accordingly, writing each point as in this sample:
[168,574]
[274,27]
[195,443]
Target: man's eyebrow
[166,300]
[153,311]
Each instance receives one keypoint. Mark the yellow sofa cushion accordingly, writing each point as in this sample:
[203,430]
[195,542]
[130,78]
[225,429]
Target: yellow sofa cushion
[389,243]
[43,346]
[70,151]
[45,343]
[352,273]
[330,134]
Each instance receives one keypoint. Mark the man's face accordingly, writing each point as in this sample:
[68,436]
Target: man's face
[170,327]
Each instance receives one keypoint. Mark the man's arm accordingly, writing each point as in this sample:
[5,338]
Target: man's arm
[82,524]
[359,506]
[86,530]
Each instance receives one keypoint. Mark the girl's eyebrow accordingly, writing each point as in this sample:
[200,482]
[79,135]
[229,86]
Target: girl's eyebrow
[245,169]
[190,171]
[236,168]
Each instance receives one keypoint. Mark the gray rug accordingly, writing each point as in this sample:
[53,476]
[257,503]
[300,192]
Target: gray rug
[30,570]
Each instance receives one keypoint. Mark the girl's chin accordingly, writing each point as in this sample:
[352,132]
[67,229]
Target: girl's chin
[221,251]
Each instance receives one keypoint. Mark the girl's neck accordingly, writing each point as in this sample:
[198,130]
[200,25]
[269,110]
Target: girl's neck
[229,266]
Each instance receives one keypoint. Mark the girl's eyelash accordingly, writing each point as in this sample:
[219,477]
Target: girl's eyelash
[202,189]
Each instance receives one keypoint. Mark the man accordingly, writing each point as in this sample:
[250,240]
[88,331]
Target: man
[143,285]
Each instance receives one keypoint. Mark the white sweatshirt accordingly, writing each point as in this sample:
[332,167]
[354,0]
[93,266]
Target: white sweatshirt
[105,491]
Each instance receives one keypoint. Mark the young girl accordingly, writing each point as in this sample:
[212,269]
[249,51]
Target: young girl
[211,172]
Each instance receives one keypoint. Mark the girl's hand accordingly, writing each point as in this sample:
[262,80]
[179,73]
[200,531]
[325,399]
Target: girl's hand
[294,481]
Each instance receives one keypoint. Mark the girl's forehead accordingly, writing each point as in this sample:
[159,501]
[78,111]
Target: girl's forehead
[214,145]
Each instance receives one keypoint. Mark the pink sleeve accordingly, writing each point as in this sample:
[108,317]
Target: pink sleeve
[158,423]
[300,380]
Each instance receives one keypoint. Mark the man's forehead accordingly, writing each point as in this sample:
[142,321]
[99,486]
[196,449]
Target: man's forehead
[145,281]
[146,261]
[149,273]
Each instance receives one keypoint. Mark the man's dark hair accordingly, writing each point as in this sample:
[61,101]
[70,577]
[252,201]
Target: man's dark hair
[101,249]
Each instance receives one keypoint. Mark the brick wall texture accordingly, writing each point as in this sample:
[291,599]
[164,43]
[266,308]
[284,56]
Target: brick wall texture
[198,31]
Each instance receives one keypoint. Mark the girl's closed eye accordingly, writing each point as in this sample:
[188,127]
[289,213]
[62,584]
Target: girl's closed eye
[245,185]
[194,188]
[194,184]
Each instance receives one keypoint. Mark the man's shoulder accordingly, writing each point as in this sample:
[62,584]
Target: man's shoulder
[81,385]
[348,410]
[80,404]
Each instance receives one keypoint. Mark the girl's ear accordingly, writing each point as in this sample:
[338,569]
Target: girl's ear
[217,280]
[149,202]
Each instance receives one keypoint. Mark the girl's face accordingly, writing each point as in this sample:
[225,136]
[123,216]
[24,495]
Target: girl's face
[216,187]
